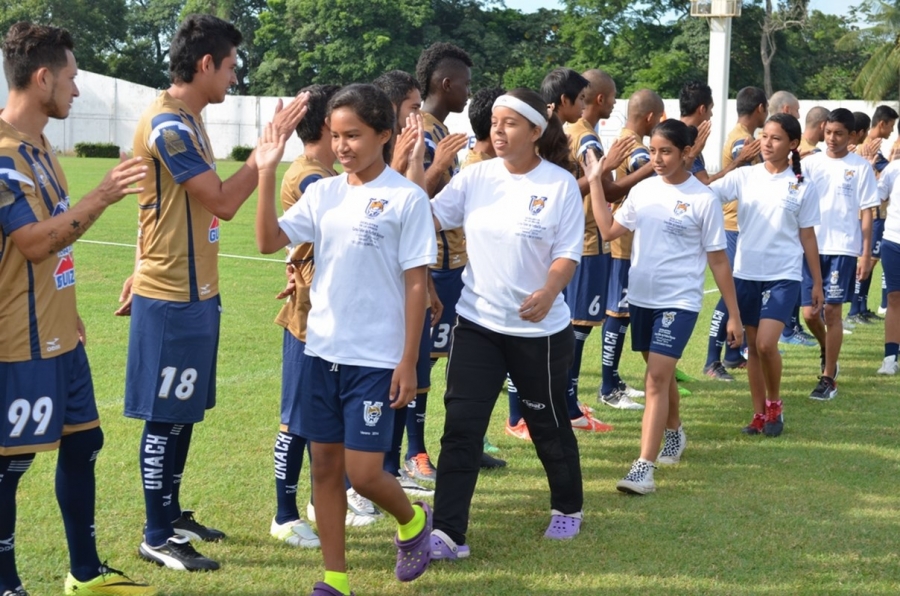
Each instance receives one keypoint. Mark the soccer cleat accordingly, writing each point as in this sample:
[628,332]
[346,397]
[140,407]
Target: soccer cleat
[774,424]
[588,423]
[295,533]
[889,366]
[673,446]
[825,390]
[756,426]
[411,487]
[683,377]
[177,553]
[585,409]
[519,431]
[491,463]
[109,582]
[563,527]
[870,317]
[630,391]
[717,371]
[851,321]
[733,364]
[684,391]
[419,468]
[490,447]
[360,510]
[190,528]
[639,480]
[20,591]
[619,399]
[798,339]
[443,548]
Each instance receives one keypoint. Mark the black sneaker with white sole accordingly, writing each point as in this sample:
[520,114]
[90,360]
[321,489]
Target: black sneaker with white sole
[177,553]
[825,390]
[190,528]
[20,591]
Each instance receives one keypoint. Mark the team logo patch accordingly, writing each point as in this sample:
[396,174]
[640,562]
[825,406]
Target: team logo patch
[41,173]
[793,187]
[375,207]
[668,318]
[64,275]
[174,142]
[7,196]
[834,277]
[372,412]
[765,297]
[681,207]
[849,174]
[537,204]
[214,230]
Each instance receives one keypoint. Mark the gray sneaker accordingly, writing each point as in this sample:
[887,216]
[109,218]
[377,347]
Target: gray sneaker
[619,399]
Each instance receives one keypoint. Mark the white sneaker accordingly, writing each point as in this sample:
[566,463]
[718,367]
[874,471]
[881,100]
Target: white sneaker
[639,480]
[673,447]
[847,331]
[889,366]
[632,393]
[295,533]
[360,510]
[620,400]
[411,487]
[882,311]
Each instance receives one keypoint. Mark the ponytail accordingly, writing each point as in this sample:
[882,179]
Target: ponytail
[795,165]
[554,145]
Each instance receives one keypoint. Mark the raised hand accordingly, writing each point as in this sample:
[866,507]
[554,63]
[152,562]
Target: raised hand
[270,148]
[618,152]
[447,149]
[287,118]
[117,182]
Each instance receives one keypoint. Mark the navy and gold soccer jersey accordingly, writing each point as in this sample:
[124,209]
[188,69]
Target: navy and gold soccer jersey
[300,175]
[37,302]
[620,248]
[473,157]
[179,237]
[806,148]
[451,243]
[734,143]
[582,139]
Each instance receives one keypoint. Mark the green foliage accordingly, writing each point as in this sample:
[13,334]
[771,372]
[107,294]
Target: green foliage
[241,152]
[96,150]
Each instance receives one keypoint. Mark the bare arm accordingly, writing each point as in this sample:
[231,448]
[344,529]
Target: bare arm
[538,304]
[403,381]
[748,152]
[444,155]
[126,297]
[617,189]
[609,228]
[811,254]
[721,270]
[269,235]
[415,159]
[864,264]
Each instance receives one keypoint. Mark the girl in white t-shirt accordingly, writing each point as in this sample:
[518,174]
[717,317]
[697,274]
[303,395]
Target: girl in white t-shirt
[889,190]
[524,227]
[777,209]
[374,238]
[678,228]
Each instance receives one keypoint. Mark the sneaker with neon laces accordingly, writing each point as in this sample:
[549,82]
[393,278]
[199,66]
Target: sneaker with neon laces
[489,462]
[414,555]
[825,390]
[562,526]
[186,525]
[20,591]
[774,425]
[411,487]
[110,581]
[443,548]
[639,480]
[619,399]
[323,589]
[673,446]
[295,533]
[757,426]
[630,391]
[683,377]
[519,431]
[177,553]
[684,391]
[717,371]
[419,468]
[889,366]
[588,423]
[490,447]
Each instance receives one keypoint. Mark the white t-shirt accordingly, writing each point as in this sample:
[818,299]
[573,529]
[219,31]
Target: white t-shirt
[771,208]
[844,186]
[889,190]
[366,237]
[674,227]
[515,226]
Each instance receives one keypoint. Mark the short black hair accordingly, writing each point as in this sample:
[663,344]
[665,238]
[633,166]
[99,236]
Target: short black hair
[372,106]
[693,96]
[750,98]
[884,114]
[480,107]
[861,122]
[432,57]
[397,84]
[562,82]
[676,132]
[842,116]
[28,47]
[310,128]
[197,36]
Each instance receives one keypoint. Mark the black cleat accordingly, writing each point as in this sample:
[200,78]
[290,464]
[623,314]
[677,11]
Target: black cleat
[177,553]
[190,528]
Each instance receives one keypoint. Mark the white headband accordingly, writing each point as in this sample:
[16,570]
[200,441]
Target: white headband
[516,104]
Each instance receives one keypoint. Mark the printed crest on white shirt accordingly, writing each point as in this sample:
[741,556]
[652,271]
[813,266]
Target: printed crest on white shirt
[889,190]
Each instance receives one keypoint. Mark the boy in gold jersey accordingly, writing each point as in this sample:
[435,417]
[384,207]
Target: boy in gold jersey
[47,397]
[175,308]
[813,132]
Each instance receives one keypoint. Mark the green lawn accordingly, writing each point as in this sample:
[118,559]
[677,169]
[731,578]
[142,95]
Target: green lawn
[812,512]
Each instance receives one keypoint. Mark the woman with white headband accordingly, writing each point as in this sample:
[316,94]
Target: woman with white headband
[524,225]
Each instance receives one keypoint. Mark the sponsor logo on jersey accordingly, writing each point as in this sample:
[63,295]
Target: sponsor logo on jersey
[53,345]
[214,230]
[372,412]
[765,297]
[668,318]
[65,269]
[41,173]
[537,204]
[681,207]
[375,207]
[174,143]
[204,290]
[61,207]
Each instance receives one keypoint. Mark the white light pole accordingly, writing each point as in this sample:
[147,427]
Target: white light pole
[719,13]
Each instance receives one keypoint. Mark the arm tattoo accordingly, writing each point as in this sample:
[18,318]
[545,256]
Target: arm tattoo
[59,242]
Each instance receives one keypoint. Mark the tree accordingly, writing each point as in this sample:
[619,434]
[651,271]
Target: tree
[790,13]
[143,55]
[879,78]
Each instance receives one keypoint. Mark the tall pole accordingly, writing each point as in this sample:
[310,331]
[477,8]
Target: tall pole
[719,71]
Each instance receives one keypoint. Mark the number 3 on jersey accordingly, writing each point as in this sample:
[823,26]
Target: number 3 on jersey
[21,411]
[443,336]
[184,389]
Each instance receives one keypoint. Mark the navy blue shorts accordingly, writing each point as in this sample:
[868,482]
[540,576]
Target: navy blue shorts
[586,293]
[449,284]
[731,239]
[890,264]
[346,404]
[172,349]
[663,331]
[766,300]
[617,293]
[877,237]
[293,352]
[42,400]
[423,365]
[838,279]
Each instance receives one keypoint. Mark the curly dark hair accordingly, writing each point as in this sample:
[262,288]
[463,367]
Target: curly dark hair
[480,108]
[28,47]
[310,128]
[197,36]
[432,57]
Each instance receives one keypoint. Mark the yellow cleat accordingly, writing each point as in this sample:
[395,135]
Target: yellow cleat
[110,582]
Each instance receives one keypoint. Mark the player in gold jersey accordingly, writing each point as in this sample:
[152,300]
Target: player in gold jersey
[175,308]
[814,131]
[47,397]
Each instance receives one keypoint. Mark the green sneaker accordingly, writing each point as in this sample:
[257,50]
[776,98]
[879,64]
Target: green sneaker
[110,581]
[684,391]
[683,377]
[490,447]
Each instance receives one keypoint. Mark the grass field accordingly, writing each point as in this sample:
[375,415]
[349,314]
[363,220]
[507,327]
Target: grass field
[814,512]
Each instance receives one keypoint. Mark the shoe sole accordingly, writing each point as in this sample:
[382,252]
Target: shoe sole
[167,561]
[300,543]
[888,373]
[668,461]
[718,378]
[773,429]
[824,397]
[633,489]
